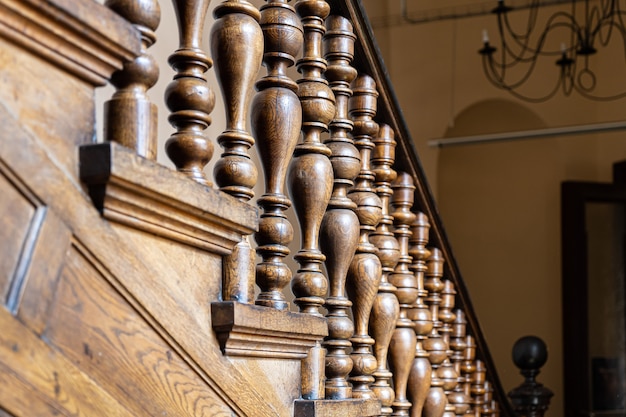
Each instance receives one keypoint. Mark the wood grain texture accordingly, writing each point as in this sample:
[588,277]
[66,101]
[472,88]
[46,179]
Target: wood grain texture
[18,208]
[55,383]
[97,329]
[145,195]
[43,274]
[256,331]
[82,37]
[353,407]
[154,287]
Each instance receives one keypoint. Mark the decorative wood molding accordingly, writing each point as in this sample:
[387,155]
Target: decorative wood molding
[82,37]
[144,195]
[329,408]
[256,331]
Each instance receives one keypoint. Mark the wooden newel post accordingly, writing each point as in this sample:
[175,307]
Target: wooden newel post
[531,398]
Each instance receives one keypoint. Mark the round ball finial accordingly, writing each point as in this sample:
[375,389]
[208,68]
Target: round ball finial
[530,353]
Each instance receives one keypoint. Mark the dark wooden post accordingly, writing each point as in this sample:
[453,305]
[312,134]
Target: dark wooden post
[531,398]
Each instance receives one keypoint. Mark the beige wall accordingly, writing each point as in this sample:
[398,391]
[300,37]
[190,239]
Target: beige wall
[500,202]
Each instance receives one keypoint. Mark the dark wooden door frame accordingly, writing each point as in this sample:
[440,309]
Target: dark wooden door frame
[574,195]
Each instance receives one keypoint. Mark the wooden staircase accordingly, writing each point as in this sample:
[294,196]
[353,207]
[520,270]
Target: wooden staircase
[129,288]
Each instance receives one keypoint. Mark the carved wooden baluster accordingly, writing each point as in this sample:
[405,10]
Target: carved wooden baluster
[403,340]
[129,117]
[276,120]
[237,47]
[435,345]
[386,309]
[421,371]
[490,406]
[468,367]
[458,344]
[188,96]
[339,234]
[446,371]
[310,173]
[365,270]
[478,387]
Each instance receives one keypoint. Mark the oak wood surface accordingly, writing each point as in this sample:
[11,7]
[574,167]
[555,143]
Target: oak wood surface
[121,302]
[158,289]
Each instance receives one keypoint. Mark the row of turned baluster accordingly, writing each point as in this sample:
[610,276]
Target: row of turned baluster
[377,262]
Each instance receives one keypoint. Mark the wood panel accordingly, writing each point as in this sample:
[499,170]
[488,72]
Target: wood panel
[43,382]
[43,272]
[19,224]
[170,287]
[96,328]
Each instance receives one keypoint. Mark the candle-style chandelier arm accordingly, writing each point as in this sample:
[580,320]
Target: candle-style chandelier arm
[590,25]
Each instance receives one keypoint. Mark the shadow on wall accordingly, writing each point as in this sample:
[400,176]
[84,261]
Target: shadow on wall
[500,205]
[494,116]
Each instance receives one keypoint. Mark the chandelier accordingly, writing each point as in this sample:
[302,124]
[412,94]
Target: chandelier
[586,27]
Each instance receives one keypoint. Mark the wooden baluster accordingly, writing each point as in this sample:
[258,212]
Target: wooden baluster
[237,47]
[365,270]
[386,309]
[435,345]
[188,96]
[421,372]
[446,371]
[458,344]
[478,387]
[468,367]
[310,173]
[489,407]
[310,180]
[403,340]
[339,234]
[129,117]
[276,121]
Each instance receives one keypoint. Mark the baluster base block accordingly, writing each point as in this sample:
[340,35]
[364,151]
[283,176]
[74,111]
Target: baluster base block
[254,331]
[333,408]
